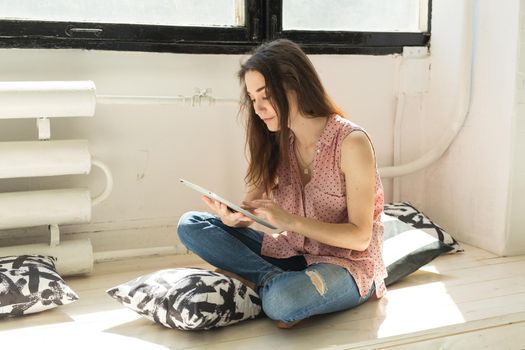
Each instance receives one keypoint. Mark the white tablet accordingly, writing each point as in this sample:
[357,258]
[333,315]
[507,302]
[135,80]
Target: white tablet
[229,204]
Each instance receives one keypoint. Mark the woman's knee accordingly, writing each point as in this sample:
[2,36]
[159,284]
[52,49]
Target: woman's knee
[189,224]
[292,296]
[280,304]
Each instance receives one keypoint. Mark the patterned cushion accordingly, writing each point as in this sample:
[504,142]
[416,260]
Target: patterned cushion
[407,213]
[411,240]
[189,298]
[29,284]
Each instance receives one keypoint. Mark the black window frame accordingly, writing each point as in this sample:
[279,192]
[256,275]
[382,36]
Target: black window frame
[263,20]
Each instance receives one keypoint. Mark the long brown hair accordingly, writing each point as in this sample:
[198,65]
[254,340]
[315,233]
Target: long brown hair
[285,67]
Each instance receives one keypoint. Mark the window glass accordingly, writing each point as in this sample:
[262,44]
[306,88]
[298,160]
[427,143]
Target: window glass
[356,15]
[205,13]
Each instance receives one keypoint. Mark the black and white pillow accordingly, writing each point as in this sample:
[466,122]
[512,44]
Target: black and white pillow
[29,284]
[189,298]
[407,213]
[411,240]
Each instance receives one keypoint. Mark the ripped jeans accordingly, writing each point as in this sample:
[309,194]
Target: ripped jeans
[289,289]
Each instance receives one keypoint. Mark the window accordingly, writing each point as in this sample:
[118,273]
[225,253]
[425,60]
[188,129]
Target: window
[354,16]
[216,26]
[205,13]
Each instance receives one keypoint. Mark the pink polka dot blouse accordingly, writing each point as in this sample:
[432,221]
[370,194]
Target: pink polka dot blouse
[324,198]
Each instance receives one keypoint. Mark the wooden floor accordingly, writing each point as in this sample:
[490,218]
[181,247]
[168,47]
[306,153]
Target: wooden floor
[470,300]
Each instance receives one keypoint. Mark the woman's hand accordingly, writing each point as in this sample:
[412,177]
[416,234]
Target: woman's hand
[228,217]
[273,213]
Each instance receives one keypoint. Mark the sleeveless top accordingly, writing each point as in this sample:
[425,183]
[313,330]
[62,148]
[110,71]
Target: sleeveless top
[324,198]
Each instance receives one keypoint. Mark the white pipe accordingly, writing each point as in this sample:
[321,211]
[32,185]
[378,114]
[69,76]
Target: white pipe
[155,100]
[400,106]
[109,182]
[464,102]
[44,158]
[35,99]
[398,122]
[49,158]
[36,208]
[74,257]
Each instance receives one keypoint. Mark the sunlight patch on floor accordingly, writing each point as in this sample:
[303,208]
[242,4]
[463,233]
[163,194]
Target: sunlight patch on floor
[74,338]
[104,319]
[90,330]
[429,268]
[405,309]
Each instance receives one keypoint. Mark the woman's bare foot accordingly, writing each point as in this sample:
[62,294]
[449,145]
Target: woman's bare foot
[237,277]
[374,297]
[286,325]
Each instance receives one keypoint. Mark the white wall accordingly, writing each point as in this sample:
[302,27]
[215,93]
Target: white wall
[515,230]
[149,147]
[467,190]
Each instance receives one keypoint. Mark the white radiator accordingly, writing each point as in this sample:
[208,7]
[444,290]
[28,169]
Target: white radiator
[46,157]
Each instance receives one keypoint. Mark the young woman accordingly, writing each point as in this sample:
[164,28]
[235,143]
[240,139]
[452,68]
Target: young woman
[312,174]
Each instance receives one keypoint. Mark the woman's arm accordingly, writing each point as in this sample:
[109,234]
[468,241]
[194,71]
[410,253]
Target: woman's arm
[254,192]
[358,166]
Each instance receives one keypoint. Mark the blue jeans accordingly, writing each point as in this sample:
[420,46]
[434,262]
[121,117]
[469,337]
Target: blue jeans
[289,289]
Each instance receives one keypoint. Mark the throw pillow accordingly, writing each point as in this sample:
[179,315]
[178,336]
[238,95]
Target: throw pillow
[29,284]
[411,240]
[189,298]
[407,213]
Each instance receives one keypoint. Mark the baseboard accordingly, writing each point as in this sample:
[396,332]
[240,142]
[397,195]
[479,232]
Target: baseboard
[111,240]
[111,255]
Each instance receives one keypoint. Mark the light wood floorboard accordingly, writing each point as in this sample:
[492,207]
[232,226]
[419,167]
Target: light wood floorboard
[470,300]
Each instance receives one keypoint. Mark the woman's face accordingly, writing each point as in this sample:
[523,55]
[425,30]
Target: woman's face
[256,89]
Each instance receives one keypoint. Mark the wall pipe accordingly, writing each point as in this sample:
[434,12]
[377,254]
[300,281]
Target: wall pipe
[398,122]
[201,96]
[465,99]
[109,182]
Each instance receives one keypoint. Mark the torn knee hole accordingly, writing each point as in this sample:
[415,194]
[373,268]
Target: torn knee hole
[317,281]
